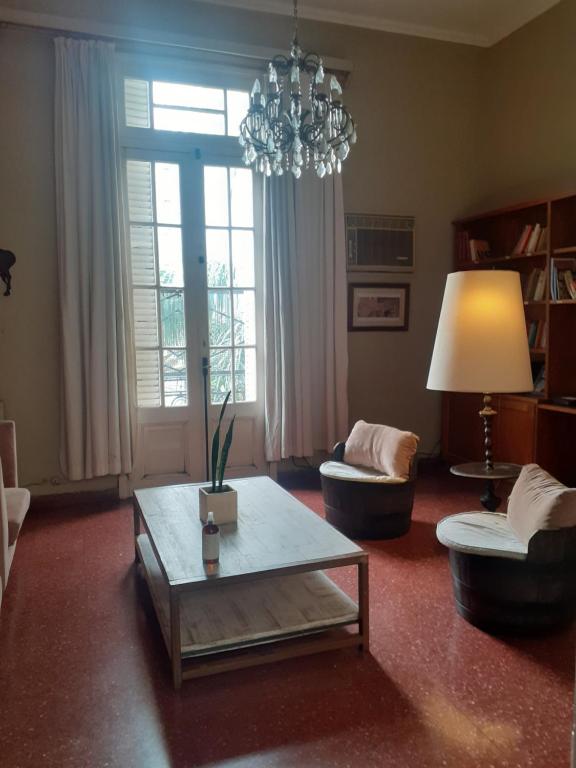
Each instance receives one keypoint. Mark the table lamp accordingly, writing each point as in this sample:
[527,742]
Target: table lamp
[481,342]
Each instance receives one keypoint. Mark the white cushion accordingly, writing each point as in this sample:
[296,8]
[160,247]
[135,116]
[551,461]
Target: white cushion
[538,502]
[481,533]
[341,471]
[389,450]
[17,503]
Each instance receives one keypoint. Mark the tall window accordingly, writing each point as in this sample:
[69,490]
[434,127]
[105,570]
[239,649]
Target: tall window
[158,283]
[228,202]
[157,222]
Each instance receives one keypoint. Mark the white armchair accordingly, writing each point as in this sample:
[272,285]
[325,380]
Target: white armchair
[14,501]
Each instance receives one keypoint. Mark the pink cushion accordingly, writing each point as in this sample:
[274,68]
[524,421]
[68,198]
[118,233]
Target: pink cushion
[384,448]
[538,502]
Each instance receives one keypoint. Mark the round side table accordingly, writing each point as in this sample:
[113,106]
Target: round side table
[477,469]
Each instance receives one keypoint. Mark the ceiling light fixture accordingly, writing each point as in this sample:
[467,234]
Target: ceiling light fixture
[287,130]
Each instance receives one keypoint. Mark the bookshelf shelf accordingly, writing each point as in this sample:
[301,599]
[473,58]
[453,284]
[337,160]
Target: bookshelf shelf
[557,408]
[529,427]
[519,257]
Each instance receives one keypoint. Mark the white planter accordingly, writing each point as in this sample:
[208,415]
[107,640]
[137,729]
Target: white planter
[224,506]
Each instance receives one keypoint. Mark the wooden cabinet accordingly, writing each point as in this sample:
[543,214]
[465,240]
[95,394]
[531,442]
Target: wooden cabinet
[513,431]
[462,432]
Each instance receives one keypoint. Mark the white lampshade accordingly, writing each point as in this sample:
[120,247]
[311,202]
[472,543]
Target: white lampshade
[481,342]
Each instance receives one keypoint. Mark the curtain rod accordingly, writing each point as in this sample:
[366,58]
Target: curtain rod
[59,25]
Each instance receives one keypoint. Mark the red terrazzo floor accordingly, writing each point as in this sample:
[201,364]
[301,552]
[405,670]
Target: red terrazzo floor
[84,678]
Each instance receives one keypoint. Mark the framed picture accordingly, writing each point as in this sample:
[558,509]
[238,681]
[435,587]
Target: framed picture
[378,306]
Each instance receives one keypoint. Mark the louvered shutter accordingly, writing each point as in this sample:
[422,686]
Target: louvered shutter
[137,103]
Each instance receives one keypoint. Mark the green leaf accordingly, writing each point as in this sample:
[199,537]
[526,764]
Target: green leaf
[224,456]
[216,443]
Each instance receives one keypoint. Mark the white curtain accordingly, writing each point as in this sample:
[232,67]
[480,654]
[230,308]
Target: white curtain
[305,315]
[94,306]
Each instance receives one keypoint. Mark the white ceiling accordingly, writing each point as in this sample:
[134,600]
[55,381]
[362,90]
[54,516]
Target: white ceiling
[474,22]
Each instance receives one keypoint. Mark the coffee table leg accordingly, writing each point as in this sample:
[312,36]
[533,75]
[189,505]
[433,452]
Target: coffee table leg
[136,531]
[364,605]
[176,652]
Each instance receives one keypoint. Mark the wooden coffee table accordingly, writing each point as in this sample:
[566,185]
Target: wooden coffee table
[268,599]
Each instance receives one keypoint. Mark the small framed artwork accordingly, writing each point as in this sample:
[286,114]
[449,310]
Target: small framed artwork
[378,306]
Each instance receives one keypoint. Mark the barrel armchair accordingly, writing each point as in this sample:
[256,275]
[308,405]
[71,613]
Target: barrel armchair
[368,485]
[14,501]
[516,571]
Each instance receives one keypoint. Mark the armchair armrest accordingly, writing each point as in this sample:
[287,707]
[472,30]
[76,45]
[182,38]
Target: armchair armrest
[8,453]
[338,452]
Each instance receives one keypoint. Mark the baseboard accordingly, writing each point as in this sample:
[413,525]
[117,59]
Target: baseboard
[76,499]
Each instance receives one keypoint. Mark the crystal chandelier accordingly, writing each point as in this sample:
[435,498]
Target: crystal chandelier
[287,130]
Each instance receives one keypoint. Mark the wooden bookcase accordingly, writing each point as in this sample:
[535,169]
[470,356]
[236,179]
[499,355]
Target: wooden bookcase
[528,427]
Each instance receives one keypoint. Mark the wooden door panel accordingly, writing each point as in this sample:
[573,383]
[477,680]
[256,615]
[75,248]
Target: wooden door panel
[462,432]
[514,429]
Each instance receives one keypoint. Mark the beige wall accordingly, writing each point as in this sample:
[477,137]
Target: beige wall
[528,112]
[415,102]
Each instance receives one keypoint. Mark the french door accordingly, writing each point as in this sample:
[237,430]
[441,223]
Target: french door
[196,267]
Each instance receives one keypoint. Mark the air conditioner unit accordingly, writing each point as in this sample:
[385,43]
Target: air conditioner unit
[380,243]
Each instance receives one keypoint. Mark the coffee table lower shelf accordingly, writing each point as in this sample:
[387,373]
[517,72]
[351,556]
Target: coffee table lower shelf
[231,626]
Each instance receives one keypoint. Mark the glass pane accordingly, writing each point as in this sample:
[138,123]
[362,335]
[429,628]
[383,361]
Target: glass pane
[136,103]
[148,378]
[241,198]
[219,318]
[217,258]
[175,378]
[167,193]
[139,179]
[243,258]
[220,385]
[245,375]
[170,256]
[238,103]
[172,313]
[244,318]
[166,119]
[220,361]
[216,196]
[142,255]
[180,95]
[145,317]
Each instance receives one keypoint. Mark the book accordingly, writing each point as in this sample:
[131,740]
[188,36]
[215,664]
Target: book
[543,240]
[529,284]
[532,241]
[532,334]
[563,279]
[542,335]
[479,249]
[536,332]
[570,281]
[540,287]
[539,377]
[520,246]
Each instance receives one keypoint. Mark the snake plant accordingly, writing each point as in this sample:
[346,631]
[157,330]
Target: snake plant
[219,459]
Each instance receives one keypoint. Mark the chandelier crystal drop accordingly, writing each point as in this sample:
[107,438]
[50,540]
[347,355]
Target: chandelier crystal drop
[296,118]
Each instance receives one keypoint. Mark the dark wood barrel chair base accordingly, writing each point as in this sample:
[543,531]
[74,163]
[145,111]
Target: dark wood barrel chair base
[366,510]
[513,596]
